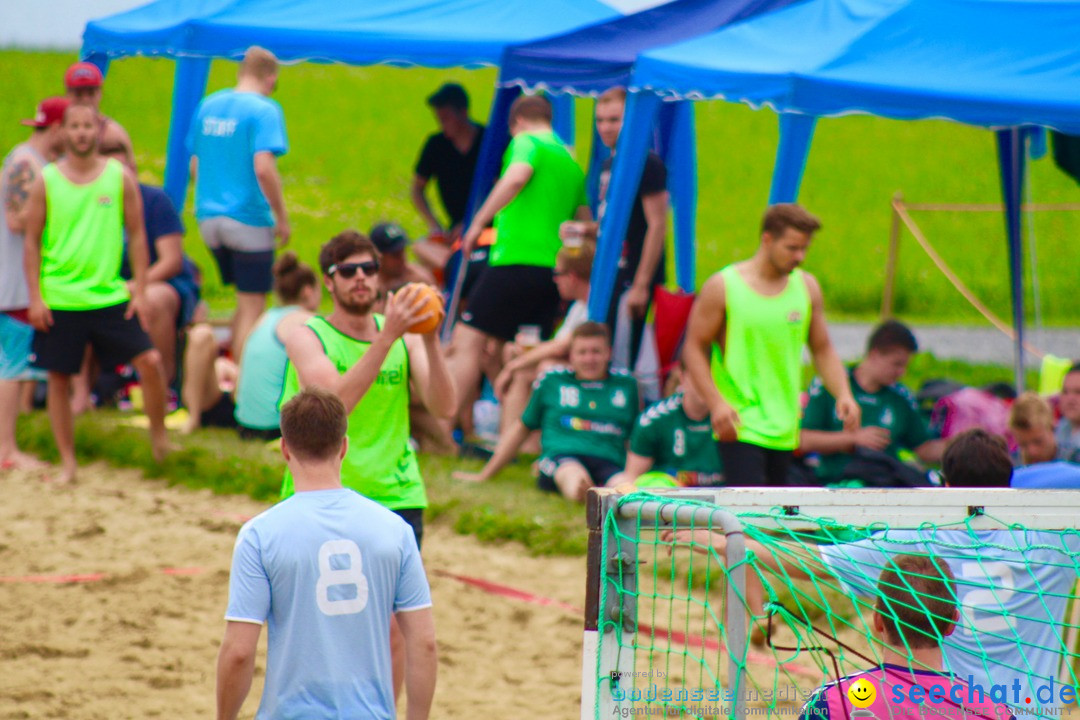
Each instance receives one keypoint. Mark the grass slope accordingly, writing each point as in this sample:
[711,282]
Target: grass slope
[355,132]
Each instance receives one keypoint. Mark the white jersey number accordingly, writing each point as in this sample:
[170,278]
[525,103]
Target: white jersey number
[989,602]
[352,575]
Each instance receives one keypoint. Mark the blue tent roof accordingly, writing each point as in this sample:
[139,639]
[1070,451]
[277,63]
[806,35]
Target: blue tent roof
[994,63]
[434,33]
[594,58]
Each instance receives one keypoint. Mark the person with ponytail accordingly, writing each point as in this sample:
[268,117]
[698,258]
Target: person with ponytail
[217,393]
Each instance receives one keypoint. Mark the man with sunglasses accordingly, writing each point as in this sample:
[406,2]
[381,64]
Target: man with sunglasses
[373,364]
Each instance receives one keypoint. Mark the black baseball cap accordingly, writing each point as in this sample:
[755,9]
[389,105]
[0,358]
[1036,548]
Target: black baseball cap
[389,237]
[449,95]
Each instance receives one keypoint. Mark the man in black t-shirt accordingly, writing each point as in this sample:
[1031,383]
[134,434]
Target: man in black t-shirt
[449,156]
[641,264]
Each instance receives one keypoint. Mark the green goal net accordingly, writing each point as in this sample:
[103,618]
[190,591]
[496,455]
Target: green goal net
[714,603]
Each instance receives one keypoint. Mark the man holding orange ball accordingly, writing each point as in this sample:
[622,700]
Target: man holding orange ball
[374,362]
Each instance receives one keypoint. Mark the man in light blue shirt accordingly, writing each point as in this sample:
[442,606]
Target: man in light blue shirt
[325,569]
[234,141]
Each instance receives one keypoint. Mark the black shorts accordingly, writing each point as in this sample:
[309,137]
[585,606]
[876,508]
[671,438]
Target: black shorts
[599,469]
[478,262]
[415,518]
[116,341]
[250,272]
[247,433]
[509,296]
[221,414]
[748,465]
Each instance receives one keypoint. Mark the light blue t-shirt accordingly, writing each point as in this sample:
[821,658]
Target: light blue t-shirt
[326,569]
[262,373]
[228,129]
[1012,586]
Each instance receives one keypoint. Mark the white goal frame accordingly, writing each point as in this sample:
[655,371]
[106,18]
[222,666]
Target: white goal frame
[980,508]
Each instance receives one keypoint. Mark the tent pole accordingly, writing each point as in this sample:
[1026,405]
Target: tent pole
[189,85]
[887,297]
[792,149]
[681,160]
[562,105]
[1011,161]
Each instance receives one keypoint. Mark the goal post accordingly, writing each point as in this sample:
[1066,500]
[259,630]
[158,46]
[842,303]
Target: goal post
[611,607]
[666,629]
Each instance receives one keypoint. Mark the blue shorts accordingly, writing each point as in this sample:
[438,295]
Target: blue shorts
[16,340]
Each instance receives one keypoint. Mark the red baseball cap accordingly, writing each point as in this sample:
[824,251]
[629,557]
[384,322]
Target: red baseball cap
[83,74]
[50,111]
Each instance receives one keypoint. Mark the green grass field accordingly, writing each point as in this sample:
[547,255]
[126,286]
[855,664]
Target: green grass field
[355,133]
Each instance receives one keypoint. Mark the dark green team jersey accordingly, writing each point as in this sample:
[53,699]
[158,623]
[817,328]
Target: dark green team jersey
[579,417]
[892,408]
[677,445]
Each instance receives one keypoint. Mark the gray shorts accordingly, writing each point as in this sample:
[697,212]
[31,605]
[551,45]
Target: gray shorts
[224,232]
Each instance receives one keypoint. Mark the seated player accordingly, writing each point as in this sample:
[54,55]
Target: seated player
[584,414]
[1031,422]
[213,393]
[674,436]
[395,271]
[513,385]
[1004,638]
[914,611]
[1068,427]
[172,289]
[891,422]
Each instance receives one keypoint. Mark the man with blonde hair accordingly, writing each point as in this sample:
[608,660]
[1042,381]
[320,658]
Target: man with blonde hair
[744,349]
[1032,424]
[235,140]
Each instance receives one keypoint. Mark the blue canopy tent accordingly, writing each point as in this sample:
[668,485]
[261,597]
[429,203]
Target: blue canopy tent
[1003,64]
[592,59]
[432,33]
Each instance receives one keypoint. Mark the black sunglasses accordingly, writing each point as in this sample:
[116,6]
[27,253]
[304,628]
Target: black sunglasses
[348,270]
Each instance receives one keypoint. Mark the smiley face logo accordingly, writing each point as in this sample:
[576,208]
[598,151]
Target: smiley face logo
[861,693]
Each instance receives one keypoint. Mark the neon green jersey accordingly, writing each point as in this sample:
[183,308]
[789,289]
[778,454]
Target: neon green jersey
[83,240]
[759,371]
[527,229]
[380,464]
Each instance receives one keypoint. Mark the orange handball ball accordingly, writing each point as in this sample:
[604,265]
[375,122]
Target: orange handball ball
[432,303]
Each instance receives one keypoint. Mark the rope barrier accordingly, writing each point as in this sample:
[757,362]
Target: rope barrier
[902,212]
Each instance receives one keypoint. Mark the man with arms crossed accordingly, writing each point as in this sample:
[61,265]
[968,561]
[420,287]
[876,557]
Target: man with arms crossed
[77,213]
[744,344]
[325,570]
[234,142]
[21,167]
